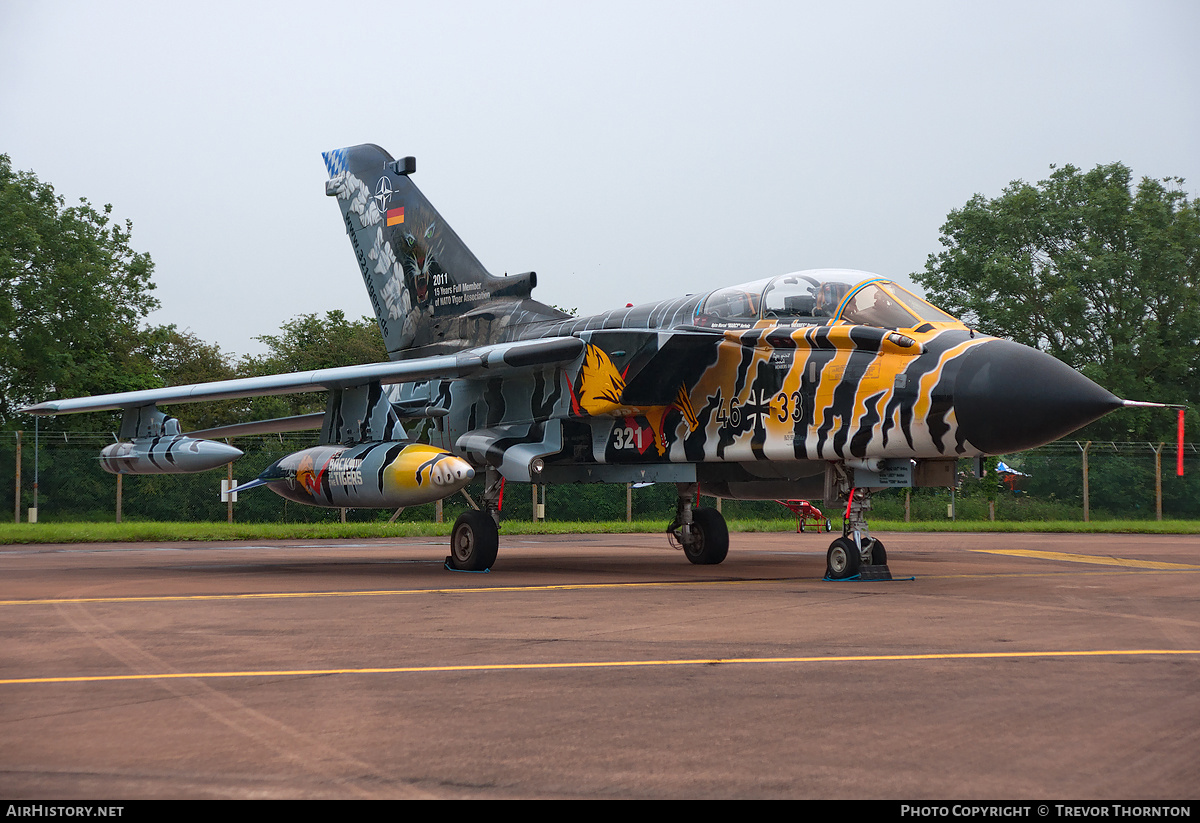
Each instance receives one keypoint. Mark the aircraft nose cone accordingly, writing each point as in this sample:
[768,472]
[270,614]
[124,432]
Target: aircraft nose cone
[1009,397]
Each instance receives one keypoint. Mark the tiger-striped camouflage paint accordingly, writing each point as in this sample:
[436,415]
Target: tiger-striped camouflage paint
[770,380]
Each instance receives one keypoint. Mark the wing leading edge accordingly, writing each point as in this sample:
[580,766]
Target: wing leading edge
[494,359]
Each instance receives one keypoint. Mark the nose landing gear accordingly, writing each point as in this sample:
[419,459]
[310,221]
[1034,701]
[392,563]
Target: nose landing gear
[856,554]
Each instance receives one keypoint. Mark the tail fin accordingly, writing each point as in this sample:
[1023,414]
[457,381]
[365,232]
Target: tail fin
[430,294]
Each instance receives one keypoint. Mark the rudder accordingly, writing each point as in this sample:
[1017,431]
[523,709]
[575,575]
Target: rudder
[420,276]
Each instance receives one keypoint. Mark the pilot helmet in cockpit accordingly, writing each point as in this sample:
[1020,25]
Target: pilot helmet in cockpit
[829,296]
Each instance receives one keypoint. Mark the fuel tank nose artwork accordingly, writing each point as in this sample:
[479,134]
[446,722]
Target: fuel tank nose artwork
[1009,397]
[371,475]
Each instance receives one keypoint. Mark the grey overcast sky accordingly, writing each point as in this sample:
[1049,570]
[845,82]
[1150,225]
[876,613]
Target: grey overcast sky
[624,151]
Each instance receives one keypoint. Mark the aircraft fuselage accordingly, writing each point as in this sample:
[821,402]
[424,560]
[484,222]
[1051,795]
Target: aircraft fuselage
[749,403]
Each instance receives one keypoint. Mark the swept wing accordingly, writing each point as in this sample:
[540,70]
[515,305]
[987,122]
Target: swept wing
[495,359]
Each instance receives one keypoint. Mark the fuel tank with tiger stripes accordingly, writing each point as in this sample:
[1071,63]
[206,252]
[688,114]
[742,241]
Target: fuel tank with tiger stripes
[370,475]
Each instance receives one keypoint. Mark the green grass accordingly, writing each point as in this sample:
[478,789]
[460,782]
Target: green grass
[173,532]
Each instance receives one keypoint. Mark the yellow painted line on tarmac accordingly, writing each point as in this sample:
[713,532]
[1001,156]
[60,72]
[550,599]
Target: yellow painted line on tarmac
[876,658]
[1089,558]
[169,598]
[184,598]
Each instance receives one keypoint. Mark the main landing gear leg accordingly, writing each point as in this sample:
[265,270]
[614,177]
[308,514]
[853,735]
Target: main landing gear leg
[701,533]
[475,539]
[856,553]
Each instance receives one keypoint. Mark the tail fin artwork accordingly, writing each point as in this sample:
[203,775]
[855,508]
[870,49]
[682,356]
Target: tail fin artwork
[430,294]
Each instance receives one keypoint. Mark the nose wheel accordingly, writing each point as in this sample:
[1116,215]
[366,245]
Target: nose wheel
[842,560]
[846,559]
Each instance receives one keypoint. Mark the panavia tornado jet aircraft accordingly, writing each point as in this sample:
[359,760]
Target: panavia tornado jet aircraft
[822,383]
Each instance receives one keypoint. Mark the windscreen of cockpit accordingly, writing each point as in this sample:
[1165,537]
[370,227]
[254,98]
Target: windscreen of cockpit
[883,303]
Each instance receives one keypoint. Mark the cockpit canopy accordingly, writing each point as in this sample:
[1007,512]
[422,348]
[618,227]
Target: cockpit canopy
[813,297]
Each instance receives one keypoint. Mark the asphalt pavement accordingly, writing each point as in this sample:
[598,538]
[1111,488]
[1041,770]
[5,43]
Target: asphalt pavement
[1010,666]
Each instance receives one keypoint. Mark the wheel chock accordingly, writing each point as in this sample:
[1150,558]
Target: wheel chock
[868,572]
[450,568]
[880,572]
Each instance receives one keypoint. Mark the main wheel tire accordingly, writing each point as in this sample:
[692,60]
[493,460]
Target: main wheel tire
[842,560]
[878,553]
[711,543]
[474,542]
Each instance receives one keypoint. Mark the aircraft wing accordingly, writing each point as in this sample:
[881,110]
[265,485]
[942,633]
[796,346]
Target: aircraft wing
[495,359]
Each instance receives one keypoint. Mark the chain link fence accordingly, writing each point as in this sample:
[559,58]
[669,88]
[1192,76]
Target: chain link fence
[1123,482]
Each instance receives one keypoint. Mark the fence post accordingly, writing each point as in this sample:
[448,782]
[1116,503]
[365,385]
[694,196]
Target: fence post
[17,492]
[119,478]
[1158,481]
[1086,513]
[36,443]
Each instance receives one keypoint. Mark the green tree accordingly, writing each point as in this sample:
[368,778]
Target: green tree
[180,358]
[310,342]
[1099,274]
[73,295]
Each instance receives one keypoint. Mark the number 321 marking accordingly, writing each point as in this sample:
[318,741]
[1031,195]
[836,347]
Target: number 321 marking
[627,438]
